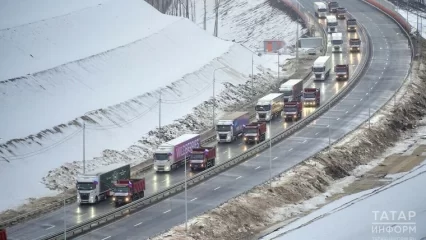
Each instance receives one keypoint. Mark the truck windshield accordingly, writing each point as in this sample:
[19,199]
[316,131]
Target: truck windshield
[85,186]
[322,10]
[197,156]
[333,4]
[332,24]
[121,190]
[250,130]
[287,93]
[309,95]
[223,128]
[263,107]
[161,156]
[340,70]
[349,22]
[336,42]
[318,69]
[290,109]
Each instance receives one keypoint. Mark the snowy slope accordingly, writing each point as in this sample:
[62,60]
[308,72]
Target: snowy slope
[360,216]
[108,67]
[418,23]
[248,21]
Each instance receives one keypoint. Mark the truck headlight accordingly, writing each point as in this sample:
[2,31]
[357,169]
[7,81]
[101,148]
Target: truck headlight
[126,199]
[245,138]
[113,198]
[155,168]
[167,168]
[255,138]
[345,76]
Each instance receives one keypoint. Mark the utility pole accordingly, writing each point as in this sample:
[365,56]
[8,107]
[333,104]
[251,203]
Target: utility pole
[84,147]
[216,18]
[65,222]
[252,76]
[186,201]
[297,45]
[270,155]
[187,9]
[278,65]
[329,137]
[159,113]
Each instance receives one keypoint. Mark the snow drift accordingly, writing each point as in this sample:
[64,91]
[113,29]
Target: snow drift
[103,65]
[312,180]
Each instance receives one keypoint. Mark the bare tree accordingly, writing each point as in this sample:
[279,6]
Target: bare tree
[205,14]
[216,22]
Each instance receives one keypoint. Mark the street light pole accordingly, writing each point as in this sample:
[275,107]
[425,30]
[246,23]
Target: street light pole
[270,155]
[65,222]
[84,147]
[159,113]
[186,201]
[252,76]
[278,54]
[329,134]
[214,95]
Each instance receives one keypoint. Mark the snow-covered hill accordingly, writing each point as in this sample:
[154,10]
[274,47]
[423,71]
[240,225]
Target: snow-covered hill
[104,63]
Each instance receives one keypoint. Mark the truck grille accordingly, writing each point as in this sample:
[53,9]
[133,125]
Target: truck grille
[222,136]
[262,115]
[318,76]
[160,168]
[84,196]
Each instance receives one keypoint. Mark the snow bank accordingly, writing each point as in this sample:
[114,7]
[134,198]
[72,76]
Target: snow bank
[314,179]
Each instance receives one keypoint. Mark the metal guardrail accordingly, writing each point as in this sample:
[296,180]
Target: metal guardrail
[178,187]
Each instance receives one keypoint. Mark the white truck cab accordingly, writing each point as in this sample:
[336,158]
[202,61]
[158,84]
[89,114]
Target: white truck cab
[321,68]
[337,42]
[269,106]
[320,9]
[331,24]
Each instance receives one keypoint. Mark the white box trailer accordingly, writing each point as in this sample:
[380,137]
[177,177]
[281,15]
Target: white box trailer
[320,9]
[292,90]
[331,23]
[321,68]
[269,106]
[337,42]
[172,154]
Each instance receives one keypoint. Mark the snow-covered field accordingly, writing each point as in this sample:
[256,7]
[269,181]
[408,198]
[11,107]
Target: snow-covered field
[100,63]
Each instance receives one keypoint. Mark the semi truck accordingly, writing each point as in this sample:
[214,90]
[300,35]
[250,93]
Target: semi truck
[340,13]
[128,190]
[269,107]
[293,110]
[321,68]
[202,158]
[320,9]
[354,45]
[337,42]
[351,25]
[255,132]
[230,126]
[331,24]
[342,71]
[96,185]
[332,6]
[311,97]
[174,153]
[292,89]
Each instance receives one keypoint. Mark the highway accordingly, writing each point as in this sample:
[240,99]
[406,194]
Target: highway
[384,76]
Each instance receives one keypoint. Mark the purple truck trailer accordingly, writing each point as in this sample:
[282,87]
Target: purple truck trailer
[173,153]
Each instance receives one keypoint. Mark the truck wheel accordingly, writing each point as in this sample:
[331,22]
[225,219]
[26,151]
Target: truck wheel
[117,205]
[142,194]
[96,199]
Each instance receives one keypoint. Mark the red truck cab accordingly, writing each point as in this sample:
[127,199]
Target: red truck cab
[254,132]
[202,158]
[128,190]
[293,110]
[332,6]
[342,71]
[3,235]
[311,97]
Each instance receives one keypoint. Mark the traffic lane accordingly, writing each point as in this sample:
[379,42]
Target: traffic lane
[157,182]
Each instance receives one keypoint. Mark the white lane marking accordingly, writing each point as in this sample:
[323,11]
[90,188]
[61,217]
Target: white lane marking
[376,83]
[51,226]
[216,189]
[275,158]
[225,151]
[164,180]
[238,177]
[304,141]
[355,105]
[290,149]
[360,100]
[167,211]
[328,126]
[137,224]
[346,112]
[338,119]
[193,199]
[106,238]
[240,143]
[317,133]
[257,168]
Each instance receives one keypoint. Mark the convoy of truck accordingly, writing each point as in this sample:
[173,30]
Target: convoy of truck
[332,6]
[269,107]
[96,185]
[321,68]
[128,190]
[351,25]
[331,23]
[337,42]
[202,158]
[320,9]
[342,71]
[354,45]
[230,126]
[293,110]
[311,97]
[292,89]
[340,13]
[174,153]
[254,132]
